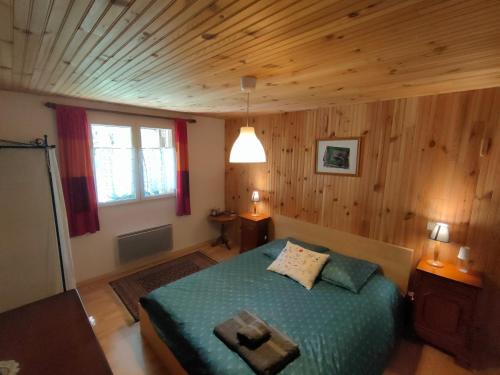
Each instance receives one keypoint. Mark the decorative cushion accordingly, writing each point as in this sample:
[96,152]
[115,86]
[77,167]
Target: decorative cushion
[273,251]
[300,264]
[347,272]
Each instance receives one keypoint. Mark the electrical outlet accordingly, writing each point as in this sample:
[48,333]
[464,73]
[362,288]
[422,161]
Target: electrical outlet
[430,225]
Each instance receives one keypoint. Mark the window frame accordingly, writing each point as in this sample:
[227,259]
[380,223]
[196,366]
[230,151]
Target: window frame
[137,170]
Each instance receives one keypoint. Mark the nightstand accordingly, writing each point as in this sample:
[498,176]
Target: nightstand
[254,231]
[445,301]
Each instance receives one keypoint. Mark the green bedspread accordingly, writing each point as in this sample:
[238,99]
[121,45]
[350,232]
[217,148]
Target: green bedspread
[338,332]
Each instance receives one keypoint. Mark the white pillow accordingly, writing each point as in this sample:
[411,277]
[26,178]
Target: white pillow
[300,264]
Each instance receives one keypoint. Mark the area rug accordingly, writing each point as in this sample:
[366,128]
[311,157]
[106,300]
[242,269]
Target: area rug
[132,287]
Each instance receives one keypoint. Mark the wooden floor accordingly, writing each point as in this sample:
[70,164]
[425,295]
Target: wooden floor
[128,354]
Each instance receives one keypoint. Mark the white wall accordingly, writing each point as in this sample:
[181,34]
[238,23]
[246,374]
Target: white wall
[24,117]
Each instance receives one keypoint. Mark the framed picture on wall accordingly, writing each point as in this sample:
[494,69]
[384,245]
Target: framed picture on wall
[338,156]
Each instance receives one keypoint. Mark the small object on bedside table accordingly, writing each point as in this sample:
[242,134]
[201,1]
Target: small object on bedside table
[440,233]
[253,231]
[255,199]
[463,259]
[445,301]
[222,219]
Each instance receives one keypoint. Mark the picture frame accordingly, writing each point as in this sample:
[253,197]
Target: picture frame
[338,156]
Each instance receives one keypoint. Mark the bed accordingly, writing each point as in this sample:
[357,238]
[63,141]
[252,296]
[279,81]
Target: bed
[338,332]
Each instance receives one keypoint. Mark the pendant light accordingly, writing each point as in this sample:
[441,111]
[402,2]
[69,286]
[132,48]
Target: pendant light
[247,148]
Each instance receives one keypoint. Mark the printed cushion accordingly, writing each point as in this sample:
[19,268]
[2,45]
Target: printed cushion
[299,264]
[347,272]
[274,251]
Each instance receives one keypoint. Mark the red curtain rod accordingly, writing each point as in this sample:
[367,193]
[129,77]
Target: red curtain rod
[190,120]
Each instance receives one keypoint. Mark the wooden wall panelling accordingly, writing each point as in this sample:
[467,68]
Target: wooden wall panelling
[420,162]
[176,32]
[483,232]
[98,36]
[22,16]
[115,49]
[420,158]
[186,55]
[6,41]
[74,16]
[337,62]
[321,49]
[223,23]
[276,17]
[37,22]
[56,18]
[87,31]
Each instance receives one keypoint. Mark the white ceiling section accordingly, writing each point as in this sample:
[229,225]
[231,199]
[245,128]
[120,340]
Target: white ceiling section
[188,55]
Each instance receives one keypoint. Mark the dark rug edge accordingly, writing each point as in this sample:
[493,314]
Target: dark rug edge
[115,285]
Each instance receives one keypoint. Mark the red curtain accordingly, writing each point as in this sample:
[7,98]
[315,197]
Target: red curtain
[73,131]
[181,145]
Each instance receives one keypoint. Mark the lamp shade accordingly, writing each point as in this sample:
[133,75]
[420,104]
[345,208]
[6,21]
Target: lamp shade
[440,233]
[247,148]
[464,253]
[255,196]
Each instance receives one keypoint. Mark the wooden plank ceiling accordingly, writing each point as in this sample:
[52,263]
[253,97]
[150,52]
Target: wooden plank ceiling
[188,55]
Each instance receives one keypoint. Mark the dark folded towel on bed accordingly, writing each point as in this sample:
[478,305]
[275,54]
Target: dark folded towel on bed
[253,334]
[268,358]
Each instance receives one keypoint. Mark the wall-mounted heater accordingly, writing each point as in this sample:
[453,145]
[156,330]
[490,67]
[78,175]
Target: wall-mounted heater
[136,245]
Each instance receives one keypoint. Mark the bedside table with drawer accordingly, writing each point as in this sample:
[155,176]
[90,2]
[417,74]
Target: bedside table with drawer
[445,301]
[254,231]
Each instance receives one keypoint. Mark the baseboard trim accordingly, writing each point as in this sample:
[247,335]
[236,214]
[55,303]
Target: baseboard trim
[138,266]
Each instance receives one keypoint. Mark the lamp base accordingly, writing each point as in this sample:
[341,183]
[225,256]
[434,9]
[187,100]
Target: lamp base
[435,263]
[255,209]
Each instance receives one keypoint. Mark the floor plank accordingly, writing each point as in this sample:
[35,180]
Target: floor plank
[127,354]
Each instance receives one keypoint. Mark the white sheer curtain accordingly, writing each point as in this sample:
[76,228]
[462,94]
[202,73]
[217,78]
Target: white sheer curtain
[62,222]
[158,161]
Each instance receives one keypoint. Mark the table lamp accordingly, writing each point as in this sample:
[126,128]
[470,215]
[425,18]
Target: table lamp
[255,198]
[439,234]
[463,258]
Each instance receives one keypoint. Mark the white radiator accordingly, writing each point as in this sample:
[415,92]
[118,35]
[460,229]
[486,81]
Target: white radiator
[135,245]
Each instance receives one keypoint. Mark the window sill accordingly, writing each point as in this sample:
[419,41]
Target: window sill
[135,201]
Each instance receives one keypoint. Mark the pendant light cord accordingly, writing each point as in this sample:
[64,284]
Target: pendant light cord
[248,106]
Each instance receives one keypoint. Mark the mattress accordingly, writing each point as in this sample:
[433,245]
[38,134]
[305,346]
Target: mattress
[338,332]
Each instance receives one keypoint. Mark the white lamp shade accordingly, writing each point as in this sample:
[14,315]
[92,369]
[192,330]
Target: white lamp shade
[255,196]
[247,148]
[440,233]
[464,253]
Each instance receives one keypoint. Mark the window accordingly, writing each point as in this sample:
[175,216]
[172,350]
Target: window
[158,162]
[132,163]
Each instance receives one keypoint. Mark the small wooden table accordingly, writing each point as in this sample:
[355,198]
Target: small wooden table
[223,220]
[52,336]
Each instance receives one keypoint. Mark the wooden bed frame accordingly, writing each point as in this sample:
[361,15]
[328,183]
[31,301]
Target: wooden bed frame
[395,261]
[161,349]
